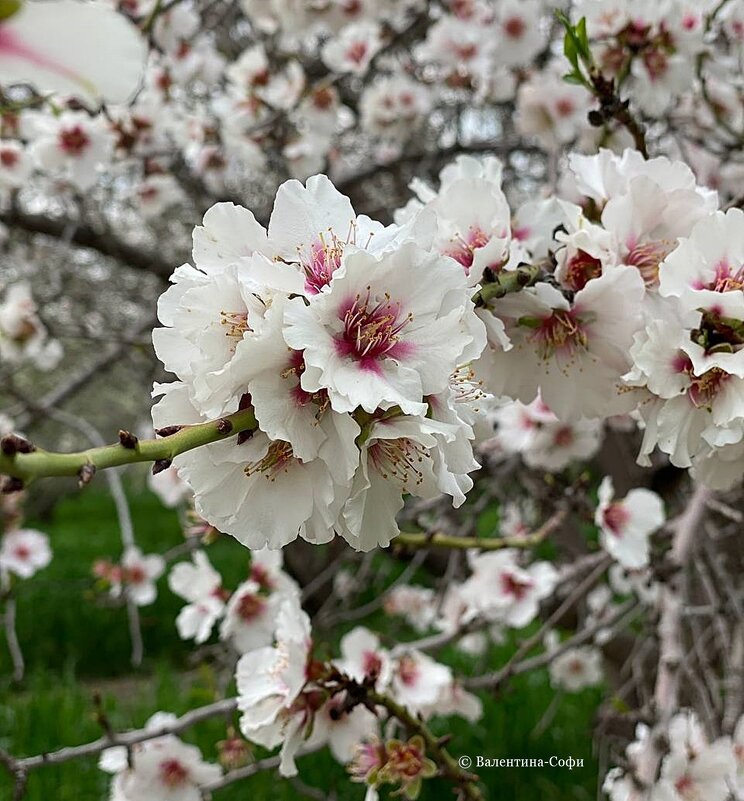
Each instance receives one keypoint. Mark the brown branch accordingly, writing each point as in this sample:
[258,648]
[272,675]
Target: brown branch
[88,237]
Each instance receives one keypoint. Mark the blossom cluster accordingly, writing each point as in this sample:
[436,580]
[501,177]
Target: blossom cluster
[693,767]
[326,327]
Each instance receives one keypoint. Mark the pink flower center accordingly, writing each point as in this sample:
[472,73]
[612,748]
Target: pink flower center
[173,773]
[352,8]
[372,329]
[261,576]
[560,333]
[463,248]
[73,141]
[580,269]
[514,27]
[704,389]
[278,459]
[565,107]
[324,260]
[647,257]
[399,460]
[148,193]
[685,785]
[250,606]
[656,63]
[235,322]
[371,664]
[408,671]
[9,157]
[135,574]
[516,586]
[22,552]
[466,51]
[357,52]
[616,517]
[576,667]
[726,280]
[563,437]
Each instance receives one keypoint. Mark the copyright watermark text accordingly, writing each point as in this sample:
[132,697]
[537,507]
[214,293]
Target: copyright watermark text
[480,761]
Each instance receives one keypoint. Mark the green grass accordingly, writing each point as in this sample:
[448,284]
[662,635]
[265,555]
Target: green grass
[75,648]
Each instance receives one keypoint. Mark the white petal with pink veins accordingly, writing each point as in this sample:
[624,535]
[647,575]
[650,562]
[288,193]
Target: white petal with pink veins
[76,48]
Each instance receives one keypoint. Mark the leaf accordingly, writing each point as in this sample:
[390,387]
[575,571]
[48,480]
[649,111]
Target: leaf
[570,51]
[575,78]
[583,39]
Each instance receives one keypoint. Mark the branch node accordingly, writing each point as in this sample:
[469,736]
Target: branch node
[224,426]
[127,440]
[168,431]
[160,465]
[86,474]
[11,444]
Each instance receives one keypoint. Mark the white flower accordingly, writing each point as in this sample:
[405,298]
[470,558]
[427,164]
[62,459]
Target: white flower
[626,525]
[342,730]
[269,682]
[51,47]
[399,455]
[454,700]
[15,165]
[577,668]
[24,552]
[416,604]
[573,353]
[313,226]
[353,48]
[551,110]
[138,576]
[501,590]
[156,193]
[250,617]
[22,333]
[541,438]
[364,659]
[201,585]
[73,144]
[520,33]
[257,490]
[418,681]
[161,769]
[392,105]
[207,315]
[379,337]
[704,774]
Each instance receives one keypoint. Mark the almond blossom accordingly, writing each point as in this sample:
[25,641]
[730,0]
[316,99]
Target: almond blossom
[23,334]
[137,576]
[250,617]
[573,353]
[50,47]
[377,338]
[73,145]
[577,668]
[270,680]
[625,525]
[24,551]
[201,585]
[163,768]
[501,590]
